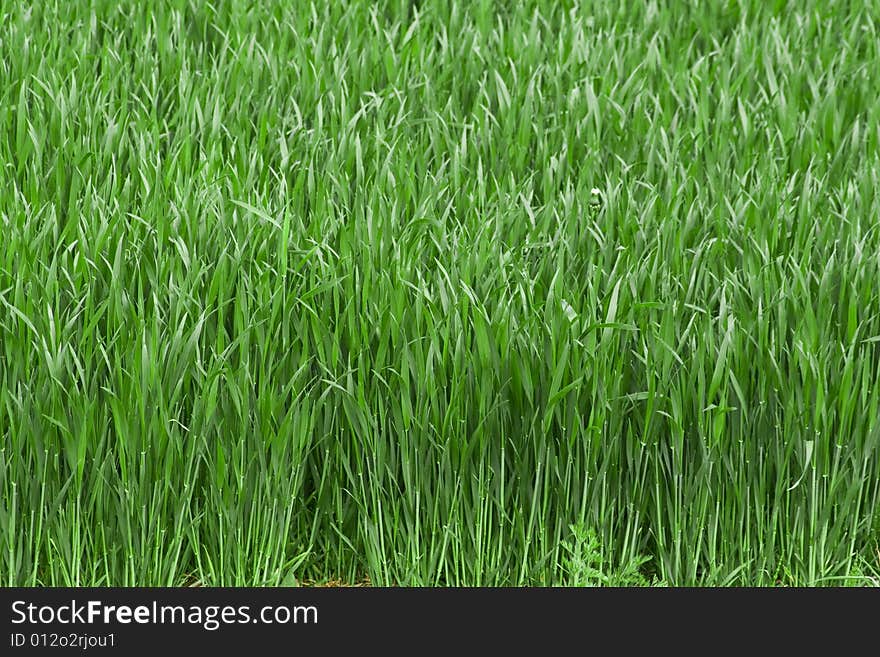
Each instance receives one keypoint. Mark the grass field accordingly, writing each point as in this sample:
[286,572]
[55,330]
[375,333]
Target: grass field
[440,293]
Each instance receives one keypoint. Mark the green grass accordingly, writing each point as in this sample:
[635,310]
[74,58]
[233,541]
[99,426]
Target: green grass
[295,291]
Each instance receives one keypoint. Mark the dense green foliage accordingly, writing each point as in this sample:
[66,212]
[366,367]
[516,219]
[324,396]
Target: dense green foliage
[296,290]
